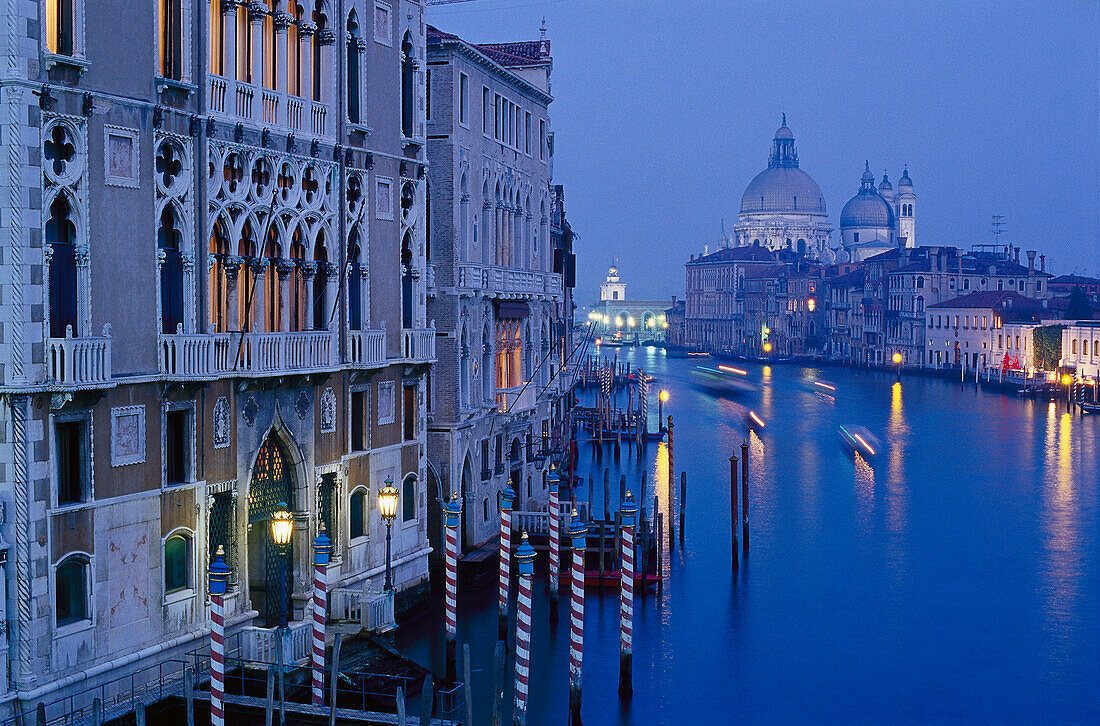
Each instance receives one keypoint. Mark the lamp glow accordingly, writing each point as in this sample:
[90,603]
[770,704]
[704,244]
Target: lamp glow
[663,396]
[387,500]
[282,525]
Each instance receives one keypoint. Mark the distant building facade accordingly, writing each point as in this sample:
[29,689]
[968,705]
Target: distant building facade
[621,319]
[962,333]
[1081,348]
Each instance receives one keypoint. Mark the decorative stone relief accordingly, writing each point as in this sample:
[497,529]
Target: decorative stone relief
[127,435]
[385,392]
[250,411]
[328,411]
[302,405]
[221,423]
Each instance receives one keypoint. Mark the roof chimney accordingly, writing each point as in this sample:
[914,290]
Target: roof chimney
[1017,255]
[1031,261]
[1042,263]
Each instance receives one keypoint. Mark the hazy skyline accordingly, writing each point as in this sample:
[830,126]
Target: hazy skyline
[664,112]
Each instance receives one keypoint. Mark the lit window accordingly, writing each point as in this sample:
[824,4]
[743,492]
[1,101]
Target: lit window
[177,563]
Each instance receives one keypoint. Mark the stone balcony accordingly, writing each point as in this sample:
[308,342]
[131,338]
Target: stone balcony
[367,348]
[507,282]
[73,362]
[418,344]
[235,101]
[216,355]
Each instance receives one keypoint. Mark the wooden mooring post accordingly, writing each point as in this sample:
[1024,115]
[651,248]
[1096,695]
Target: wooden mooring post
[671,491]
[745,495]
[334,678]
[683,499]
[733,512]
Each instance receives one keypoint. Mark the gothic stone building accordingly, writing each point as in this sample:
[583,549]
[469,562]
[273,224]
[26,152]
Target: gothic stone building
[494,295]
[212,301]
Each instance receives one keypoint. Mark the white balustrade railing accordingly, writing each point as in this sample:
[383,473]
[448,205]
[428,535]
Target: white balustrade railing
[79,361]
[419,343]
[200,355]
[263,106]
[372,610]
[508,280]
[516,398]
[258,644]
[366,347]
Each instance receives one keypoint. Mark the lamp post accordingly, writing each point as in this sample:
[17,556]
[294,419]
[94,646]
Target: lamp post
[507,497]
[525,558]
[576,533]
[897,362]
[219,581]
[282,527]
[452,516]
[661,398]
[387,504]
[322,552]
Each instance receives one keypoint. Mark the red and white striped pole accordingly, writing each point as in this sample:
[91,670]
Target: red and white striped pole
[507,497]
[578,542]
[627,510]
[452,516]
[322,551]
[219,580]
[553,482]
[525,558]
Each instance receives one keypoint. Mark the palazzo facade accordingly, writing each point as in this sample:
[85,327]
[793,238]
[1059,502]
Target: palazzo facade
[212,303]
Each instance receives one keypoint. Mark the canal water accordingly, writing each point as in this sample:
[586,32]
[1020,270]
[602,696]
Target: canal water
[955,578]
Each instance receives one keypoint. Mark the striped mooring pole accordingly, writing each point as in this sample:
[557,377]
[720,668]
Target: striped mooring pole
[507,497]
[525,558]
[452,515]
[322,551]
[627,510]
[553,483]
[576,533]
[219,580]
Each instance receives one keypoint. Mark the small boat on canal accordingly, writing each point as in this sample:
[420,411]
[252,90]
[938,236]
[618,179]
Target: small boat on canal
[859,440]
[721,382]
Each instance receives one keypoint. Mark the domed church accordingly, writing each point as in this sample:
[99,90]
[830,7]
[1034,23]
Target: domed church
[877,220]
[783,207]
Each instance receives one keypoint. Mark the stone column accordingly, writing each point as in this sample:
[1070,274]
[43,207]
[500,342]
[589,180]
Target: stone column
[284,268]
[23,673]
[256,15]
[83,292]
[305,66]
[327,39]
[307,270]
[364,295]
[282,22]
[258,296]
[232,267]
[188,261]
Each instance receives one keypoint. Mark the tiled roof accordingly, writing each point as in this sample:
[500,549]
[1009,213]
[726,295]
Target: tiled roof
[735,254]
[1074,280]
[853,278]
[989,299]
[525,53]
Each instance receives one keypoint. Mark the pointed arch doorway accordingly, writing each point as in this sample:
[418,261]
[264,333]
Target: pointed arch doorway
[271,484]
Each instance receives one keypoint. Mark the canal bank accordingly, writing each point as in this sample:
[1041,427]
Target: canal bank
[929,585]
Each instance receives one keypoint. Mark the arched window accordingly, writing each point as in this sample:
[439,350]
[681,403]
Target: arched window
[219,249]
[60,236]
[171,273]
[920,282]
[171,39]
[408,498]
[214,23]
[355,319]
[247,280]
[71,590]
[272,253]
[463,218]
[177,563]
[271,48]
[357,513]
[407,300]
[920,303]
[321,22]
[1073,346]
[59,26]
[320,284]
[407,100]
[353,68]
[294,52]
[298,290]
[485,509]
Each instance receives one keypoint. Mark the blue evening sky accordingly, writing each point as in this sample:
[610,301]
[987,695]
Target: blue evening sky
[664,111]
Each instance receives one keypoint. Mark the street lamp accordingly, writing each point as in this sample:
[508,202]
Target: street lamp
[387,504]
[767,347]
[282,527]
[897,362]
[661,398]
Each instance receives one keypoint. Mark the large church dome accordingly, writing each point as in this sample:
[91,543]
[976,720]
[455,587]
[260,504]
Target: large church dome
[783,187]
[867,208]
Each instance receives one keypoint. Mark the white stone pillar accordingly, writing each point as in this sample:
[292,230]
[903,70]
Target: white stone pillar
[232,268]
[259,295]
[282,22]
[284,269]
[305,63]
[327,39]
[256,15]
[307,270]
[229,38]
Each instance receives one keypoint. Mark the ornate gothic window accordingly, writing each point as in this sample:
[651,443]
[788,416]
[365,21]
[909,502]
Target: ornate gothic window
[407,86]
[61,241]
[177,563]
[298,291]
[407,296]
[354,42]
[170,37]
[219,303]
[321,312]
[171,272]
[321,22]
[355,281]
[214,23]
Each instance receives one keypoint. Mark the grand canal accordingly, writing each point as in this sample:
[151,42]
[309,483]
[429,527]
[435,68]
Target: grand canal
[954,579]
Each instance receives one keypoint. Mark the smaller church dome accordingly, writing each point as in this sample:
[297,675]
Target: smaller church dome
[905,181]
[867,208]
[884,185]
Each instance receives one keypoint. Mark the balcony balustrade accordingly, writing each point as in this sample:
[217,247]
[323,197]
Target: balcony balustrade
[418,344]
[239,101]
[507,280]
[209,355]
[367,348]
[516,399]
[79,362]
